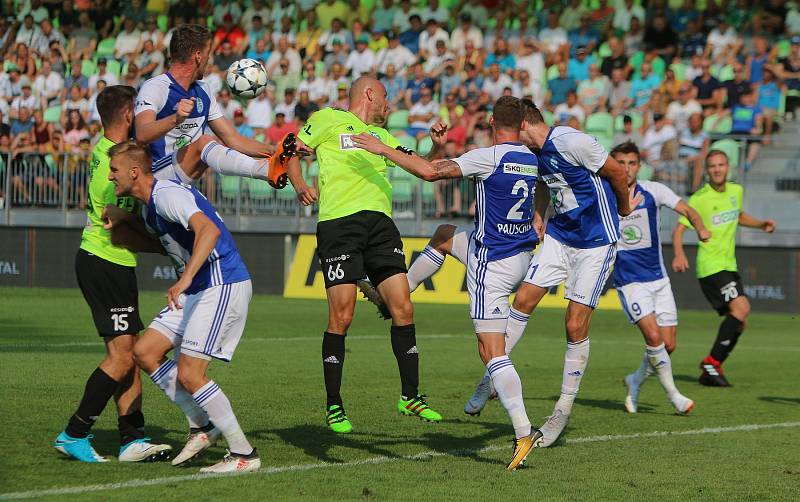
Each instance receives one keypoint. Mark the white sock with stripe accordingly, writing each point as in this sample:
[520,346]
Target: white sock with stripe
[509,389]
[211,398]
[662,364]
[426,264]
[575,360]
[644,370]
[515,328]
[166,379]
[229,162]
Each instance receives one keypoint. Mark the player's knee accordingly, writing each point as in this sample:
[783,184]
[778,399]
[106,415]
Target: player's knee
[403,314]
[442,235]
[340,321]
[122,362]
[202,141]
[575,328]
[189,380]
[670,346]
[740,309]
[145,358]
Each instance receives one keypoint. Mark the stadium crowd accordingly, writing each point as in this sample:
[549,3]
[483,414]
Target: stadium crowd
[673,76]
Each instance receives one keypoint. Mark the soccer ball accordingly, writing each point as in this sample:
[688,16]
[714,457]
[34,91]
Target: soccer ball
[246,78]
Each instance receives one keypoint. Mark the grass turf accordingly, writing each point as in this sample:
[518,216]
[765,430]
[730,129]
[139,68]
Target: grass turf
[48,348]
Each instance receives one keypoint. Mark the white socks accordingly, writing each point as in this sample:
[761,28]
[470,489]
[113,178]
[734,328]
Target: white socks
[166,378]
[517,321]
[426,264]
[229,162]
[575,360]
[662,364]
[211,398]
[509,389]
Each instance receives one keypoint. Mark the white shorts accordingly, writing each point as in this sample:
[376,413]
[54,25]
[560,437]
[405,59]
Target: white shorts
[640,299]
[489,283]
[211,322]
[584,272]
[168,168]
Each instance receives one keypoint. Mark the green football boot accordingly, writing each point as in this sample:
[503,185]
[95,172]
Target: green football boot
[417,407]
[337,419]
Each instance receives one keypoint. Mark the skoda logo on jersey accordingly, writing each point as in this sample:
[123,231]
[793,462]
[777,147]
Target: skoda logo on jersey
[199,106]
[631,235]
[553,163]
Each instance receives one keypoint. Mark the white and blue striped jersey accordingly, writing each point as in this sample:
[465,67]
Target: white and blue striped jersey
[639,257]
[161,94]
[167,215]
[584,202]
[505,177]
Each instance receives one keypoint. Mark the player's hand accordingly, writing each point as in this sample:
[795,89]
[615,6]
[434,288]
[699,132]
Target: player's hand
[704,235]
[183,109]
[680,264]
[769,226]
[368,142]
[538,226]
[174,293]
[439,134]
[112,216]
[308,196]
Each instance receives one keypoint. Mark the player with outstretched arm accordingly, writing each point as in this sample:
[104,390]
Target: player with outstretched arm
[719,203]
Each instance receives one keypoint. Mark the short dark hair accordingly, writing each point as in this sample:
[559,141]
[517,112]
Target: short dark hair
[625,147]
[507,113]
[531,113]
[113,100]
[187,39]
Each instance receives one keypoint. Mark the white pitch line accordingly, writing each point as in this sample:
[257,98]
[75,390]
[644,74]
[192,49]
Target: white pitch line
[140,483]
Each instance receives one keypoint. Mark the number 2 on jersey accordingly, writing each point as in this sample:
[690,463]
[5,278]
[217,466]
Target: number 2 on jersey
[514,213]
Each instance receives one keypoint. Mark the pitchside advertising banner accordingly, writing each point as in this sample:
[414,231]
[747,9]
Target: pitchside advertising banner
[771,277]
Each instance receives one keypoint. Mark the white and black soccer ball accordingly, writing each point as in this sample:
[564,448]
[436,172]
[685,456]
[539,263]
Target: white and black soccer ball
[246,78]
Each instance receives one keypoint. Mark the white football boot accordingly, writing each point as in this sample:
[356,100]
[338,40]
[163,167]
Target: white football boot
[142,450]
[632,397]
[553,428]
[196,444]
[683,405]
[232,463]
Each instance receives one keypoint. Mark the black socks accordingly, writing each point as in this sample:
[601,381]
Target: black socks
[404,346]
[99,389]
[729,332]
[131,427]
[332,365]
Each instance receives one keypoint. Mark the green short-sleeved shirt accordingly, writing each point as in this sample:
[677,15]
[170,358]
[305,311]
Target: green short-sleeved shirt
[720,212]
[350,179]
[96,239]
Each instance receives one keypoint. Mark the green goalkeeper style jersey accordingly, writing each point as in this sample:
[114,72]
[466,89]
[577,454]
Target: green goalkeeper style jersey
[720,212]
[350,179]
[96,239]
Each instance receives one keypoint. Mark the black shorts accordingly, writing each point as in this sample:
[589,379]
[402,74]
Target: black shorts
[721,288]
[111,292]
[364,244]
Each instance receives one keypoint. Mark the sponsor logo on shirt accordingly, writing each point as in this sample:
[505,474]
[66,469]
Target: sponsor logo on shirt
[631,235]
[725,217]
[520,169]
[346,142]
[343,257]
[199,105]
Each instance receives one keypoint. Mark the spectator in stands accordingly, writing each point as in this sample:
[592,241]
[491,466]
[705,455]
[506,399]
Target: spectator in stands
[337,56]
[592,92]
[584,37]
[396,55]
[769,101]
[286,107]
[757,59]
[557,88]
[75,130]
[284,51]
[329,11]
[226,8]
[94,113]
[342,101]
[152,33]
[656,138]
[41,46]
[410,36]
[75,101]
[416,83]
[429,38]
[678,112]
[259,112]
[285,8]
[127,42]
[378,42]
[707,90]
[280,128]
[241,126]
[287,30]
[502,57]
[102,73]
[530,59]
[748,119]
[617,59]
[316,87]
[434,64]
[336,78]
[336,33]
[661,37]
[422,115]
[450,79]
[570,109]
[578,67]
[735,88]
[307,40]
[136,11]
[7,35]
[256,9]
[572,14]
[643,86]
[28,31]
[68,18]
[11,86]
[259,51]
[48,85]
[362,60]
[304,108]
[554,37]
[721,38]
[83,40]
[23,60]
[628,132]
[634,37]
[466,30]
[495,82]
[383,15]
[26,99]
[693,146]
[226,55]
[227,105]
[692,41]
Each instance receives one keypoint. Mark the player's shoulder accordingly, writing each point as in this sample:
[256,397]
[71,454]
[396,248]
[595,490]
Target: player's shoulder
[159,82]
[565,133]
[205,86]
[651,186]
[166,188]
[734,187]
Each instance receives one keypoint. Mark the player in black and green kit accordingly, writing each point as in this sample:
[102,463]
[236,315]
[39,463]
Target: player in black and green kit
[719,203]
[356,239]
[106,276]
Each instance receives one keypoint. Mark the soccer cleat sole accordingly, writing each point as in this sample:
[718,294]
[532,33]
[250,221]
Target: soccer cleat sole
[276,175]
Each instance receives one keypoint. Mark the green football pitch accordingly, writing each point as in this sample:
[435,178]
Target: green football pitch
[739,443]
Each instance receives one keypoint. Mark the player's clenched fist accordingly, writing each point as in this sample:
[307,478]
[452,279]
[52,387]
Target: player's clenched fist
[184,109]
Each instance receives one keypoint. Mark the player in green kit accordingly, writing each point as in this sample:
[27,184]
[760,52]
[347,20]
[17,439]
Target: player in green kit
[357,239]
[106,276]
[719,203]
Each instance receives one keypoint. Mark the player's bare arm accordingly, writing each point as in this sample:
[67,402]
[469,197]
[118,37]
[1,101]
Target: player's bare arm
[695,219]
[618,177]
[541,202]
[148,129]
[305,194]
[680,263]
[416,165]
[225,131]
[206,235]
[750,221]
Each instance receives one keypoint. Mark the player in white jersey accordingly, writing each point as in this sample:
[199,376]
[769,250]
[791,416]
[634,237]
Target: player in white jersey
[174,110]
[498,250]
[587,190]
[206,308]
[642,282]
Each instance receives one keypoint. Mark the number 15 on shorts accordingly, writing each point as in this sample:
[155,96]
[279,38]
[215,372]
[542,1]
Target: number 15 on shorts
[120,322]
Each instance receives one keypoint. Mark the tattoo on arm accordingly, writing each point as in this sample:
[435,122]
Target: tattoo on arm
[446,169]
